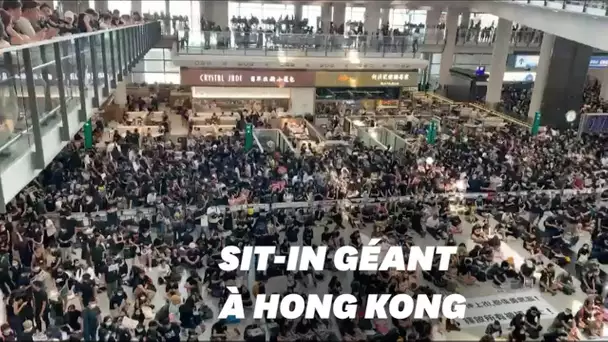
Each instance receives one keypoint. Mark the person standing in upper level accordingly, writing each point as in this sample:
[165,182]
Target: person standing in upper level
[26,17]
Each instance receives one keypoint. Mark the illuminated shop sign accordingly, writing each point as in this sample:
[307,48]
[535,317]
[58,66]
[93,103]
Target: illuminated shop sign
[247,78]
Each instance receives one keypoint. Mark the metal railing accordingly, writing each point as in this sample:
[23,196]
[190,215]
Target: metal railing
[41,82]
[594,7]
[286,44]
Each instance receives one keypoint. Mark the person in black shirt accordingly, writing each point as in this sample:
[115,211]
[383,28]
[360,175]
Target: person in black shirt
[72,317]
[112,275]
[170,331]
[518,333]
[87,289]
[118,302]
[494,329]
[193,258]
[219,329]
[28,332]
[532,322]
[64,239]
[563,320]
[40,306]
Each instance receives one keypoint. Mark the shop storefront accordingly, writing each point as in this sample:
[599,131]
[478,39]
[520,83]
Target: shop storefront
[255,90]
[362,91]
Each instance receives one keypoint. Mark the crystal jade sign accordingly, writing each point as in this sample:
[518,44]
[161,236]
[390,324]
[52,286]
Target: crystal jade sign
[246,78]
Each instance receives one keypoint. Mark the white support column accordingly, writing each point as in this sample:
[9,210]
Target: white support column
[465,18]
[499,61]
[220,14]
[136,6]
[447,56]
[339,14]
[298,11]
[372,18]
[325,16]
[167,8]
[542,72]
[384,16]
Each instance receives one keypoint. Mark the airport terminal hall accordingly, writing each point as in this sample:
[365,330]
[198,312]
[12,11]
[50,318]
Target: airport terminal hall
[142,139]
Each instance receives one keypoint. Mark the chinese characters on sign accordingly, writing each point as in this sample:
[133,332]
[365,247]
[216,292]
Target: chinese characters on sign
[246,78]
[503,307]
[272,79]
[390,77]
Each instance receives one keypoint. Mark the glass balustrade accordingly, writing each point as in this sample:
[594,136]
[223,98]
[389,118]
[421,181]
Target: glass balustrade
[41,83]
[594,7]
[270,43]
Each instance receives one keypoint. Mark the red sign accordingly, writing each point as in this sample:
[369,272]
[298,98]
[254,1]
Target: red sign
[247,78]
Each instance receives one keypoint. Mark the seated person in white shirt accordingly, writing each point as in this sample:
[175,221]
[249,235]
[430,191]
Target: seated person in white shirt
[435,227]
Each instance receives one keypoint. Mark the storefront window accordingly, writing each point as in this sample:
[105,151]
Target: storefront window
[124,7]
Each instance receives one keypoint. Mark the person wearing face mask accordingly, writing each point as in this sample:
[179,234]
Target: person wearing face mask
[118,303]
[72,318]
[106,329]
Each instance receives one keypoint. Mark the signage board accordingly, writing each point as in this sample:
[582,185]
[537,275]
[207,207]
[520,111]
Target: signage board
[531,62]
[502,307]
[526,61]
[366,79]
[598,62]
[246,78]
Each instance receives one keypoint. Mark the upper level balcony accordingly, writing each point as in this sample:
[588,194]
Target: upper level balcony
[49,89]
[593,7]
[469,40]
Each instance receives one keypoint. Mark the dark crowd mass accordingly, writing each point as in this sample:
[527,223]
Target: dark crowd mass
[121,242]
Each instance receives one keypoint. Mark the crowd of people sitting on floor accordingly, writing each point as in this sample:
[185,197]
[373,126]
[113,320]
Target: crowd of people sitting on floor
[55,263]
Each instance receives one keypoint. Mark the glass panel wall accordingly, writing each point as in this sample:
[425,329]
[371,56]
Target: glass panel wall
[400,17]
[485,19]
[190,9]
[157,67]
[312,13]
[354,14]
[259,10]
